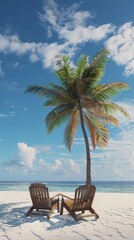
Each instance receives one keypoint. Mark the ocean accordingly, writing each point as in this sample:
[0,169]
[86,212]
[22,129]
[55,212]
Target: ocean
[70,186]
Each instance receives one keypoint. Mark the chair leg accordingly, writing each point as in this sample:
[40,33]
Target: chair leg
[93,211]
[70,211]
[61,208]
[51,211]
[29,211]
[58,206]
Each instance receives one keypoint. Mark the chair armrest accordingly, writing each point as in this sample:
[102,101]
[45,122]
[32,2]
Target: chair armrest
[62,195]
[55,196]
[65,196]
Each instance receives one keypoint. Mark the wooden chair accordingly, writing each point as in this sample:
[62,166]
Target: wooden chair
[41,201]
[82,201]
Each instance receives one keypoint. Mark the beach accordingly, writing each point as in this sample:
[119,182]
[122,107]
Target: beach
[116,211]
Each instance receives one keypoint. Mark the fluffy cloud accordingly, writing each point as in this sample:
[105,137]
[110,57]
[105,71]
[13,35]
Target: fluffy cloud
[116,161]
[59,167]
[72,27]
[129,107]
[72,166]
[82,34]
[13,44]
[36,51]
[23,162]
[80,17]
[49,51]
[121,45]
[72,24]
[27,155]
[51,168]
[57,17]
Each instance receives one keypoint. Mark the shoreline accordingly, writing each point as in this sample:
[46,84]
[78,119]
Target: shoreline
[116,211]
[70,186]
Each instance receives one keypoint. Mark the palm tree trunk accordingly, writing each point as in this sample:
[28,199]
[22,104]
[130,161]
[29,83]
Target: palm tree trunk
[88,165]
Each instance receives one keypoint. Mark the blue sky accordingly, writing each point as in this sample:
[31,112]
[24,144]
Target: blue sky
[31,34]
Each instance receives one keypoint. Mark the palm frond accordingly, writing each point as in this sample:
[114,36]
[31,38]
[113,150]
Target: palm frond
[57,95]
[113,108]
[64,68]
[81,66]
[105,92]
[70,130]
[57,116]
[101,136]
[100,132]
[39,90]
[105,118]
[109,108]
[60,61]
[95,71]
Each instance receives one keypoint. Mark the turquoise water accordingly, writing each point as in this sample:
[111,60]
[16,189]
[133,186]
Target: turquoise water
[70,186]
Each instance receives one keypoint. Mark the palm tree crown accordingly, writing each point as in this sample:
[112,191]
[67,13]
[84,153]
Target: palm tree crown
[82,99]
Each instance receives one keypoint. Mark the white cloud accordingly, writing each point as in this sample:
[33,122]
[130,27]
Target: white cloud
[51,168]
[12,114]
[36,51]
[34,57]
[50,8]
[43,148]
[2,115]
[27,155]
[12,44]
[116,160]
[118,172]
[48,52]
[129,107]
[121,46]
[59,167]
[44,166]
[79,141]
[82,34]
[129,69]
[1,70]
[72,166]
[9,169]
[57,17]
[15,65]
[72,25]
[80,17]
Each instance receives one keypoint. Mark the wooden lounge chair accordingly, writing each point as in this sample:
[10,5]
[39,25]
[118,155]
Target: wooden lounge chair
[42,203]
[82,201]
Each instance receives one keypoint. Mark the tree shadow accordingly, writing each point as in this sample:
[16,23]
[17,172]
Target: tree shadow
[14,215]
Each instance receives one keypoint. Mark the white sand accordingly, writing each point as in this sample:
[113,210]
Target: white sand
[116,211]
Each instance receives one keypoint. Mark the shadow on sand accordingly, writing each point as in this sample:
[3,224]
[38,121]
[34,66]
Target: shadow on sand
[14,215]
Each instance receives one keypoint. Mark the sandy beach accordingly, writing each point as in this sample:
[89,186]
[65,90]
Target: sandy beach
[116,211]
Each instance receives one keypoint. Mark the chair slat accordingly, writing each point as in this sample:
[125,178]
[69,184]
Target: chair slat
[40,199]
[83,199]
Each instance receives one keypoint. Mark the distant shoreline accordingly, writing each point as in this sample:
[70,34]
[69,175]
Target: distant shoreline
[70,186]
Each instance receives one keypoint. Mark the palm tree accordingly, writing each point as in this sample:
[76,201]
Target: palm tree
[81,98]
